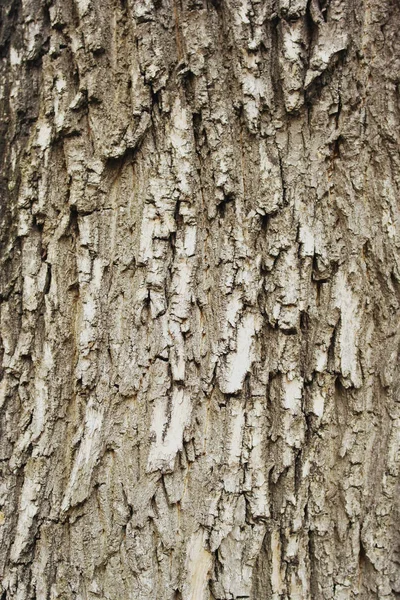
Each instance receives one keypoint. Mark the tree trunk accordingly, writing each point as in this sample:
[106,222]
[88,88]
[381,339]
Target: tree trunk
[200,290]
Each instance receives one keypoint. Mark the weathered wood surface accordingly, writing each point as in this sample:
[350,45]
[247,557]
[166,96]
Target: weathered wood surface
[200,294]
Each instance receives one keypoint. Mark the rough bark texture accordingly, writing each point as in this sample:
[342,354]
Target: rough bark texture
[200,294]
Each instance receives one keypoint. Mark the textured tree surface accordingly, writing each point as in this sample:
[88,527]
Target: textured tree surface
[200,299]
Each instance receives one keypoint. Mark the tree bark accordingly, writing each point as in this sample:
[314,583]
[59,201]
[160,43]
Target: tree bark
[200,299]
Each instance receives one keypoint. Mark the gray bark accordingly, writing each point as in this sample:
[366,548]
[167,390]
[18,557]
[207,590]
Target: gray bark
[200,293]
